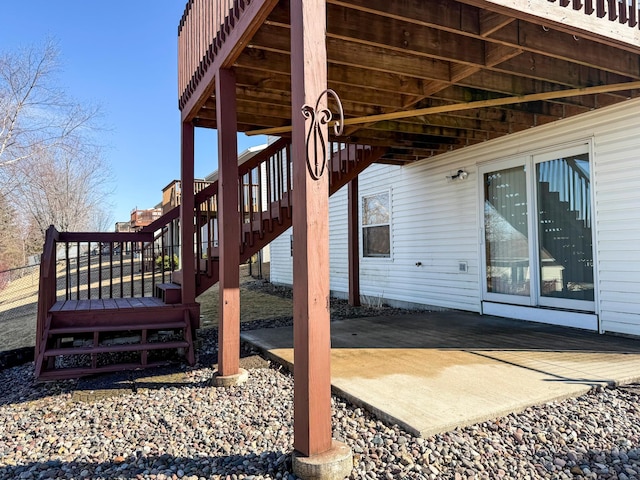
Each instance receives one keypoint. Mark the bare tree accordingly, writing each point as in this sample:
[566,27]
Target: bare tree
[11,245]
[35,114]
[51,171]
[65,187]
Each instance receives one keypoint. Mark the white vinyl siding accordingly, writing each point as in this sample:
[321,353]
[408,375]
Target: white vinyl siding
[281,267]
[435,222]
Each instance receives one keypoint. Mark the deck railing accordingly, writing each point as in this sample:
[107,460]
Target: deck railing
[203,28]
[172,193]
[621,11]
[87,266]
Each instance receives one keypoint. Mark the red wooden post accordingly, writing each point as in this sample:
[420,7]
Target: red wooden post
[187,229]
[354,246]
[228,225]
[317,455]
[312,343]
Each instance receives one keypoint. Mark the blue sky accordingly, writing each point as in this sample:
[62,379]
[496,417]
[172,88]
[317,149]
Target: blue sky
[121,55]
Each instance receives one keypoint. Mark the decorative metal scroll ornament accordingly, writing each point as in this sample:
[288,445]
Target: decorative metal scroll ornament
[320,117]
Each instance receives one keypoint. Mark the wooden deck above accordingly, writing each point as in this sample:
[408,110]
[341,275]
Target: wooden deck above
[388,57]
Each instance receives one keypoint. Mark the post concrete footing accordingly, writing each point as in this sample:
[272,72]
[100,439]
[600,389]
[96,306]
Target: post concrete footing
[334,464]
[230,380]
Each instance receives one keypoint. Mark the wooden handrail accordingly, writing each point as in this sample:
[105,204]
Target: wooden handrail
[105,237]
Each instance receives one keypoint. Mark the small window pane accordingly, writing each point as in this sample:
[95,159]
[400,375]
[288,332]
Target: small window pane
[375,209]
[376,241]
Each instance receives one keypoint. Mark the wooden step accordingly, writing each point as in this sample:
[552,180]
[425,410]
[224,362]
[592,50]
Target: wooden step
[169,293]
[75,372]
[132,347]
[117,328]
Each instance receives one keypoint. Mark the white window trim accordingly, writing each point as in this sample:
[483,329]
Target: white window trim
[362,226]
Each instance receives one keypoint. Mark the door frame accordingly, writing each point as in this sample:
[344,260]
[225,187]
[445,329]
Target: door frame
[541,157]
[529,159]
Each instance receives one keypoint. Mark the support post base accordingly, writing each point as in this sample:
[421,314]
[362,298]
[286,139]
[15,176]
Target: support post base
[334,464]
[230,380]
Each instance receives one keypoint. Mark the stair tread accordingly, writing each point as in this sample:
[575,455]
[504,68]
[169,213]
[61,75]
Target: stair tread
[130,303]
[132,347]
[117,328]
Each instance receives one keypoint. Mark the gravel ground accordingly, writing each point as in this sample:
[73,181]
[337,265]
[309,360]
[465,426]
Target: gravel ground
[193,430]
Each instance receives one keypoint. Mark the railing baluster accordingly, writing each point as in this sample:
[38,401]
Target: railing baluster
[134,253]
[162,250]
[280,170]
[250,202]
[289,179]
[588,7]
[270,196]
[99,273]
[623,11]
[612,7]
[68,275]
[261,200]
[198,232]
[78,270]
[110,270]
[600,11]
[150,257]
[121,272]
[89,272]
[132,267]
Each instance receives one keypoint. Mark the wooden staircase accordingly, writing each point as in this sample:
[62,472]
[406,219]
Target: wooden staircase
[104,312]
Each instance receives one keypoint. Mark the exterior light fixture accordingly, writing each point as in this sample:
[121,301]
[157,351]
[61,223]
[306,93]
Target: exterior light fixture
[460,175]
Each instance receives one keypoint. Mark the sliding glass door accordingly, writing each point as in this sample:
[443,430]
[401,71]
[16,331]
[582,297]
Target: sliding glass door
[564,230]
[538,247]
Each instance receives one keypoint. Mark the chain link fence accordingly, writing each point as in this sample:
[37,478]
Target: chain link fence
[18,307]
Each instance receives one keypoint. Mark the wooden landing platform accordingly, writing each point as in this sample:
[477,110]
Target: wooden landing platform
[118,311]
[107,304]
[90,331]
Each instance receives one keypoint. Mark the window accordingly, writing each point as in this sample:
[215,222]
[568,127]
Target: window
[376,225]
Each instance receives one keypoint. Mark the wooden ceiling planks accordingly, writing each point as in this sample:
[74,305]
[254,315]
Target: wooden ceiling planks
[386,57]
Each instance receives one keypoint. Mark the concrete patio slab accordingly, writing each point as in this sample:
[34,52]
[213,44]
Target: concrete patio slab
[432,372]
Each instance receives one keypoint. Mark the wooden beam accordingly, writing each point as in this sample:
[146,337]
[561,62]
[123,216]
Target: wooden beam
[491,22]
[228,226]
[311,331]
[620,87]
[499,57]
[569,47]
[273,63]
[345,52]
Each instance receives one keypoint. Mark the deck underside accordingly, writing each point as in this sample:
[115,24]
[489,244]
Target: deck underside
[387,57]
